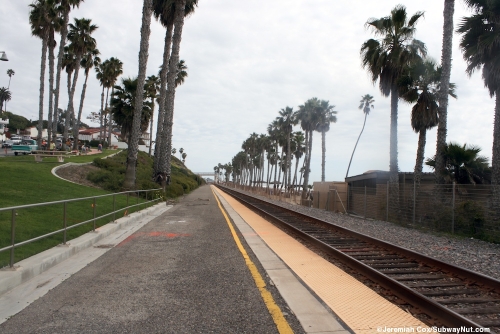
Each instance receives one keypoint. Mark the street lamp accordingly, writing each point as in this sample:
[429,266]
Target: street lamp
[4,56]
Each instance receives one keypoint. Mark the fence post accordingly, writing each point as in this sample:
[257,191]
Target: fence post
[453,210]
[94,215]
[12,237]
[65,224]
[114,208]
[327,200]
[414,198]
[365,202]
[387,205]
[348,192]
[318,199]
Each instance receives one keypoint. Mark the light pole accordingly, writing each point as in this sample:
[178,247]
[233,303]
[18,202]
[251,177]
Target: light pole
[3,56]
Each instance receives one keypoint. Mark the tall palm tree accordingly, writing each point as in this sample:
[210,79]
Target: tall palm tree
[446,52]
[151,89]
[287,120]
[69,64]
[308,117]
[102,74]
[326,117]
[89,60]
[81,42]
[133,145]
[386,59]
[64,9]
[298,152]
[10,73]
[366,104]
[40,25]
[182,9]
[421,86]
[115,70]
[480,46]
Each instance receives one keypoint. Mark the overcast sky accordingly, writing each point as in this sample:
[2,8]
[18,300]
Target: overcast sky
[249,59]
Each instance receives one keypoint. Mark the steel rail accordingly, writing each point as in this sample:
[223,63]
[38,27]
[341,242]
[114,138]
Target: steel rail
[445,315]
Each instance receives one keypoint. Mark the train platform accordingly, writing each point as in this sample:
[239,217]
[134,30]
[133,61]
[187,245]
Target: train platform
[205,265]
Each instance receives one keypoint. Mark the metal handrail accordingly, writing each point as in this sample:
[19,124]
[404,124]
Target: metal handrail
[65,228]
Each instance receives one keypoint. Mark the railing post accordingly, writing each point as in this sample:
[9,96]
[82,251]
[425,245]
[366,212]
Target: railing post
[414,199]
[94,215]
[128,194]
[114,208]
[387,204]
[365,202]
[64,223]
[453,210]
[327,200]
[12,237]
[137,194]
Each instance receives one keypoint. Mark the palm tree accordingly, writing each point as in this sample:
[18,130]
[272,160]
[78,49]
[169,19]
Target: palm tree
[115,70]
[10,73]
[152,88]
[64,9]
[184,155]
[287,120]
[181,150]
[480,47]
[463,164]
[40,26]
[386,60]
[421,85]
[5,96]
[308,115]
[180,14]
[89,60]
[69,64]
[326,117]
[298,152]
[122,107]
[102,74]
[366,104]
[446,51]
[133,145]
[81,42]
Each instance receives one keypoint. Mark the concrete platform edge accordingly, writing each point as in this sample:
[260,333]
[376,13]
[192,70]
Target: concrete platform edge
[310,312]
[28,268]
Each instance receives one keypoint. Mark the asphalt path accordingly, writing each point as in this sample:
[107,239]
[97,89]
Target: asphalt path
[180,273]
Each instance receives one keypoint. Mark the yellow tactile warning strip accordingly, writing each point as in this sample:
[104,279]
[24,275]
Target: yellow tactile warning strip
[363,310]
[274,310]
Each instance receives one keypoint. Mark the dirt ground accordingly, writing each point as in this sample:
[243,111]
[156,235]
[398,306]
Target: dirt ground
[77,174]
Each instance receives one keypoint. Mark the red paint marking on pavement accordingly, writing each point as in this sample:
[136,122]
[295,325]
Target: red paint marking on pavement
[153,234]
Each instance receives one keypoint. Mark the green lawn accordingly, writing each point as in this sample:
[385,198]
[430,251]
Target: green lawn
[24,181]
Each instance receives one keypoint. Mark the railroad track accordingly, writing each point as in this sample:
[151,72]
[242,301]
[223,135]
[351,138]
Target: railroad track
[450,295]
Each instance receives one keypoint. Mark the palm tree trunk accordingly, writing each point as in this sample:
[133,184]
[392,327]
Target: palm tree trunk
[71,99]
[101,115]
[110,124]
[289,160]
[133,147]
[348,167]
[393,165]
[323,155]
[105,125]
[306,154]
[417,173]
[495,157]
[180,6]
[62,43]
[42,85]
[68,111]
[449,8]
[295,173]
[80,109]
[160,146]
[151,126]
[308,167]
[51,85]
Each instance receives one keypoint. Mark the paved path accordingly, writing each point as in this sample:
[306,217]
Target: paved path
[180,273]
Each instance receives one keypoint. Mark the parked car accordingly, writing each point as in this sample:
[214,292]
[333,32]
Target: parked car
[7,144]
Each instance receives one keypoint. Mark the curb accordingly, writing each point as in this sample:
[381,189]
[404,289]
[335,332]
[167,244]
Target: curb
[37,264]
